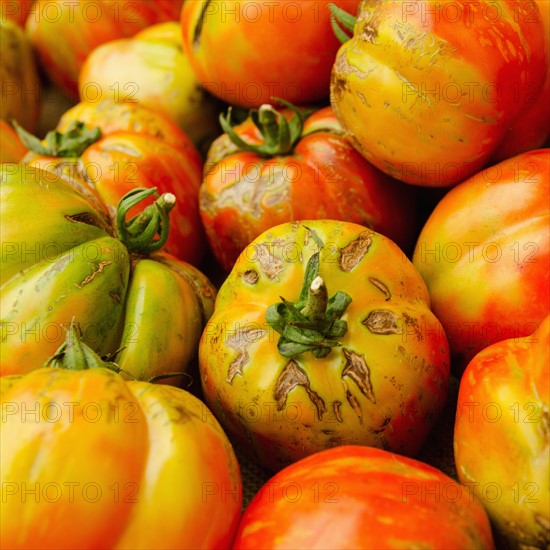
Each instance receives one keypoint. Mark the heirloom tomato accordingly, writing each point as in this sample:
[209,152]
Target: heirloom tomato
[427,91]
[360,358]
[151,69]
[64,33]
[139,148]
[63,257]
[19,78]
[294,165]
[11,147]
[484,254]
[362,497]
[502,437]
[246,52]
[90,460]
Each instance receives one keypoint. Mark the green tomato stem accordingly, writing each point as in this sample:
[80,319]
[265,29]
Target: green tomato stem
[138,234]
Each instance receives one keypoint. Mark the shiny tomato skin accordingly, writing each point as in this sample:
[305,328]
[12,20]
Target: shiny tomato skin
[64,33]
[385,382]
[427,91]
[484,254]
[501,436]
[63,264]
[285,49]
[243,194]
[139,148]
[364,498]
[111,460]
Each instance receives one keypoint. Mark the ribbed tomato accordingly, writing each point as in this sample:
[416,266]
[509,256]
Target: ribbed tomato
[255,178]
[502,436]
[65,258]
[90,460]
[322,335]
[428,91]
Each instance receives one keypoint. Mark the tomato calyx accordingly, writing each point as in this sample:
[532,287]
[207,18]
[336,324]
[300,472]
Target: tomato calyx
[69,144]
[279,134]
[138,234]
[74,354]
[312,323]
[340,18]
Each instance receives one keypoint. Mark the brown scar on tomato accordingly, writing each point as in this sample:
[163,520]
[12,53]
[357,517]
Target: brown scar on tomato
[381,287]
[413,322]
[292,376]
[382,321]
[100,267]
[352,254]
[357,369]
[353,402]
[269,263]
[250,276]
[336,408]
[239,341]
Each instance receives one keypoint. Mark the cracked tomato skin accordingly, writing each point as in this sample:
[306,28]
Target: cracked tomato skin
[385,386]
[502,436]
[429,96]
[484,254]
[111,461]
[260,41]
[363,498]
[243,193]
[62,261]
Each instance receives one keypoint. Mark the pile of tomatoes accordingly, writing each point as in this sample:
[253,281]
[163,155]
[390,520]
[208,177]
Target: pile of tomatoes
[311,237]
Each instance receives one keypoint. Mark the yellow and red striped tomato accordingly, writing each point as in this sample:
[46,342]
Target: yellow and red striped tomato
[502,436]
[247,52]
[64,33]
[484,254]
[90,460]
[361,497]
[428,91]
[65,258]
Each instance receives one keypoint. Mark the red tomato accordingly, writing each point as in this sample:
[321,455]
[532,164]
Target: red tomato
[320,175]
[362,497]
[16,10]
[502,436]
[283,49]
[484,253]
[64,33]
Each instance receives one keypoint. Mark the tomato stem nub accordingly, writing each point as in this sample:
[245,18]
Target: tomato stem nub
[312,323]
[70,144]
[138,234]
[279,134]
[74,354]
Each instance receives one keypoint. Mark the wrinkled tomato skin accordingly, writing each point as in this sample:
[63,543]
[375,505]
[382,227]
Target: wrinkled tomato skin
[64,33]
[429,97]
[484,254]
[502,436]
[364,498]
[243,194]
[281,50]
[116,460]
